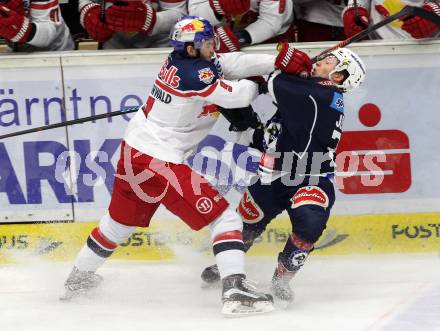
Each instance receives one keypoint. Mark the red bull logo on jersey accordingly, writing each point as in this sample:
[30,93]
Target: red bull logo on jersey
[209,110]
[206,75]
[169,76]
[193,26]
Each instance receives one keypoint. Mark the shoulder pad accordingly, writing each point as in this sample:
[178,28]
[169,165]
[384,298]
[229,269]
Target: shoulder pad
[188,74]
[200,75]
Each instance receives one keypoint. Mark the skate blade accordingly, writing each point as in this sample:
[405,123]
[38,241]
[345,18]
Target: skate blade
[69,294]
[236,309]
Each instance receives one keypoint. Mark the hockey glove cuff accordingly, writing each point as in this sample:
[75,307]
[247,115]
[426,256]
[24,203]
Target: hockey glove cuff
[90,20]
[292,61]
[15,27]
[227,41]
[132,16]
[354,24]
[230,7]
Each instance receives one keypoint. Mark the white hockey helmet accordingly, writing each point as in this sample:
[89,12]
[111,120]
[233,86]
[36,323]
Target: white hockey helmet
[352,64]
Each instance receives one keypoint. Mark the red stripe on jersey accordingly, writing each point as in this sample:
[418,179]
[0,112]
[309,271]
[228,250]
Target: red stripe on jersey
[43,6]
[203,93]
[102,240]
[148,106]
[230,235]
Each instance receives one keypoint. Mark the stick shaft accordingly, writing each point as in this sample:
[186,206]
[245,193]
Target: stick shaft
[429,15]
[72,122]
[361,35]
[406,11]
[102,11]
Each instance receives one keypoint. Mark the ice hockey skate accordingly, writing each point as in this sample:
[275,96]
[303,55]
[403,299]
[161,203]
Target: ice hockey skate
[210,277]
[79,283]
[240,298]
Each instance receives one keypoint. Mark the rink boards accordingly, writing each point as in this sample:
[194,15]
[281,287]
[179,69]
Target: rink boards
[370,234]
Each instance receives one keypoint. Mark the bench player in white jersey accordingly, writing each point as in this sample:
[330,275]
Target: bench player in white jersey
[34,25]
[152,170]
[246,22]
[373,11]
[131,24]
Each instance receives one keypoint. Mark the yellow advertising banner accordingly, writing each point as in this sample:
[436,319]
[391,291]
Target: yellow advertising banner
[367,234]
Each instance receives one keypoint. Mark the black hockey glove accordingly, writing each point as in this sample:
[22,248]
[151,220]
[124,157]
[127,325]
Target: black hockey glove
[241,119]
[244,38]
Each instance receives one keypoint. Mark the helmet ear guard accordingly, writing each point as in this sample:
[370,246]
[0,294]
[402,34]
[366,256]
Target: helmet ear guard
[350,64]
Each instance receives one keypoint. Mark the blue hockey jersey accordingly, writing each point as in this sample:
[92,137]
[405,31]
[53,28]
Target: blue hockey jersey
[302,137]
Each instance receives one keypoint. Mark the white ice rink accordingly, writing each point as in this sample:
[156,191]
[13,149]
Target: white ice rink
[357,293]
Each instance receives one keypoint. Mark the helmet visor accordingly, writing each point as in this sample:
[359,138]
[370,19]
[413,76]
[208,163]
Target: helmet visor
[330,59]
[208,43]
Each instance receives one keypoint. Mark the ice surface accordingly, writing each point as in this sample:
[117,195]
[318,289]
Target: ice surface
[365,293]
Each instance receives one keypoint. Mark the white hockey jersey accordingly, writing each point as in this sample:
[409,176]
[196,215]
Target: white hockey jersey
[180,109]
[378,10]
[52,33]
[168,12]
[272,17]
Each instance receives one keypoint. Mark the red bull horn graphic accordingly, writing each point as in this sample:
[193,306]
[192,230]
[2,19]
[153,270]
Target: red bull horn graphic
[193,26]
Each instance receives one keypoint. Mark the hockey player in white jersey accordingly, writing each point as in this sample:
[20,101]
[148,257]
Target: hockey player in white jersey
[34,25]
[152,170]
[373,11]
[246,22]
[130,24]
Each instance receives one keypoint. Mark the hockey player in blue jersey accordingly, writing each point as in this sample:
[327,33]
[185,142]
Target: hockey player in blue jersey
[297,165]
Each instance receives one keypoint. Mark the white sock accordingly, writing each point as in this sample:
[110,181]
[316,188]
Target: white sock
[227,243]
[88,260]
[230,262]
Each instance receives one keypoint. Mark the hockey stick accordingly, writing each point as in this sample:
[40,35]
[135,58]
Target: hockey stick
[72,122]
[430,16]
[406,11]
[101,18]
[102,11]
[357,18]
